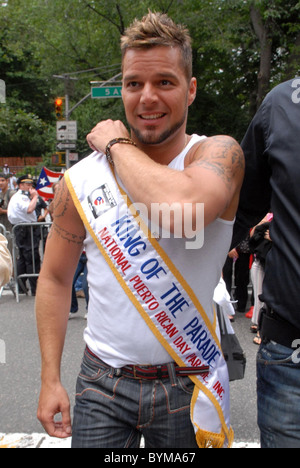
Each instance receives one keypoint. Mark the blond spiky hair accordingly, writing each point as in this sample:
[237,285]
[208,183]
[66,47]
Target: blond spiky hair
[157,29]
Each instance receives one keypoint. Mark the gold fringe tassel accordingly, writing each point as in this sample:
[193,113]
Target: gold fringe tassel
[206,439]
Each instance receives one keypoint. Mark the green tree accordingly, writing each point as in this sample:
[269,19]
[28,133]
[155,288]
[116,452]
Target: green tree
[22,134]
[241,49]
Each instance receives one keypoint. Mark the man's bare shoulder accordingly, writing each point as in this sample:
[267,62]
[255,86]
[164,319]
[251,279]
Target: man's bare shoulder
[67,224]
[222,155]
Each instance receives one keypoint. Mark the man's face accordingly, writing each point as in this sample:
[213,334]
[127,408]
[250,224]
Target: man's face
[3,184]
[25,187]
[156,93]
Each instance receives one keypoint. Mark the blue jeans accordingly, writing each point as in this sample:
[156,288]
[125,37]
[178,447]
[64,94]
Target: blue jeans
[114,411]
[81,268]
[278,392]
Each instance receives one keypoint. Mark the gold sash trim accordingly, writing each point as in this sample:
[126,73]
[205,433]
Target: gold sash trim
[205,439]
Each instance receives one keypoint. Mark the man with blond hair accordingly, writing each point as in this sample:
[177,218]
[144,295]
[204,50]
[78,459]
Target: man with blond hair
[152,364]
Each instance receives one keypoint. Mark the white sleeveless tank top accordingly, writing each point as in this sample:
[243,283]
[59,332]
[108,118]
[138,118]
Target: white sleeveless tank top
[178,162]
[115,331]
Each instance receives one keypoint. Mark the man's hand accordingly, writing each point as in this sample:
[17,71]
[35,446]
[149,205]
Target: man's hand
[233,254]
[53,401]
[34,196]
[33,193]
[104,132]
[267,235]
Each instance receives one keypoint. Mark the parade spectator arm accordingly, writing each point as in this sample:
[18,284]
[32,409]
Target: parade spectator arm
[5,262]
[34,199]
[3,211]
[65,241]
[255,198]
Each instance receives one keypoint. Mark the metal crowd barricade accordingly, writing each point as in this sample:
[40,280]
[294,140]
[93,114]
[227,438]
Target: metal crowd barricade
[33,227]
[3,230]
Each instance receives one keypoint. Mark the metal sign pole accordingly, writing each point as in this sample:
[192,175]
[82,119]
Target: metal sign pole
[2,92]
[66,77]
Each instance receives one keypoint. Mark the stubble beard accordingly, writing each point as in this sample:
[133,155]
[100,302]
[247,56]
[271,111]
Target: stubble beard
[149,137]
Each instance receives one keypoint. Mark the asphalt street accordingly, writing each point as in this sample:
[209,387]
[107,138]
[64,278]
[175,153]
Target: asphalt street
[20,370]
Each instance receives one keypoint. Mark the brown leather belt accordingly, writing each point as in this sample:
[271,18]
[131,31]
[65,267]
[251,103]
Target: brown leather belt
[161,372]
[155,372]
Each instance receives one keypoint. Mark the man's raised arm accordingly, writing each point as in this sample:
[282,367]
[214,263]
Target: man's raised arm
[213,176]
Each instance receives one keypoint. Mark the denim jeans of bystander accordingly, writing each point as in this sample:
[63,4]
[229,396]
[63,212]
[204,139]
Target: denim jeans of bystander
[278,392]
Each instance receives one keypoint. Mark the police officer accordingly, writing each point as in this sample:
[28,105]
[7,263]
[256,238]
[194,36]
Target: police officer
[21,210]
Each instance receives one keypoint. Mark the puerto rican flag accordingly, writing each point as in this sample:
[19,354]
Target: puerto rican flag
[99,201]
[45,181]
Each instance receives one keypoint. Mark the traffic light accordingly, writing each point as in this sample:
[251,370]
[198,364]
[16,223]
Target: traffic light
[59,108]
[59,159]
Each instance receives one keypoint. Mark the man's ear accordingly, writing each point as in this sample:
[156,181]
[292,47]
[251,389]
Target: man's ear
[192,91]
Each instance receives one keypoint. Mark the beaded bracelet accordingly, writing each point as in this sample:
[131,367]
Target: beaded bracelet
[126,141]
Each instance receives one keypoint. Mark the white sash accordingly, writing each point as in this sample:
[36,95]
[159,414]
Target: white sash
[162,297]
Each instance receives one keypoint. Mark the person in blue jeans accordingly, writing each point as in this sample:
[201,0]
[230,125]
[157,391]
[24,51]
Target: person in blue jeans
[81,268]
[272,151]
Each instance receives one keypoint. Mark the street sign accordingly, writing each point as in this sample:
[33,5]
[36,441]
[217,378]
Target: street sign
[107,92]
[64,146]
[66,130]
[73,157]
[2,92]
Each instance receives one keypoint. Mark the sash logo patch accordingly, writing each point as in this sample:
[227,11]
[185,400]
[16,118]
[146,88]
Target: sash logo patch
[101,200]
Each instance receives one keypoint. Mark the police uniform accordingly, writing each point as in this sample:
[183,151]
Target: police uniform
[18,214]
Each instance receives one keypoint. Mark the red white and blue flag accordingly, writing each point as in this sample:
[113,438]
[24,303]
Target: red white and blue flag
[45,182]
[99,201]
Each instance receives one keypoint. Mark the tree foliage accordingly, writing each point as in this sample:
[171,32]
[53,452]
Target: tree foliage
[241,49]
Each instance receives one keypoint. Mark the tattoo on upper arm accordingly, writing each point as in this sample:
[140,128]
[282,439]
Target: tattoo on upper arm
[62,203]
[61,200]
[66,235]
[223,156]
